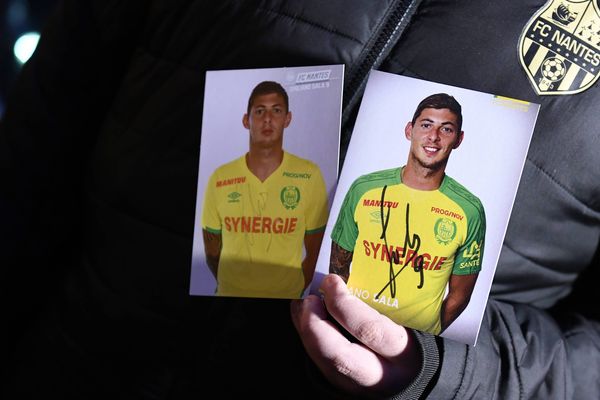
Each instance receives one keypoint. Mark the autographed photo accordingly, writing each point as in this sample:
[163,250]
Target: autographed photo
[268,166]
[423,201]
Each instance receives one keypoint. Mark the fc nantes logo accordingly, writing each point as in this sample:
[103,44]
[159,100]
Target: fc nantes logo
[560,47]
[290,197]
[445,230]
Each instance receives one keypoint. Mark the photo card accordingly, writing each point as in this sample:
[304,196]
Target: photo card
[268,167]
[424,199]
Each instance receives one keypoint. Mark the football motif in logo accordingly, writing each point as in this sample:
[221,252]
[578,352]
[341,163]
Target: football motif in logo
[553,69]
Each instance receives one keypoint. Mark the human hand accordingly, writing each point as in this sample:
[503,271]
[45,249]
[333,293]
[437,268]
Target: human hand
[380,359]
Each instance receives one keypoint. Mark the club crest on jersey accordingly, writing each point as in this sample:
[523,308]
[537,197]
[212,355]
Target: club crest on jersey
[559,47]
[290,197]
[444,230]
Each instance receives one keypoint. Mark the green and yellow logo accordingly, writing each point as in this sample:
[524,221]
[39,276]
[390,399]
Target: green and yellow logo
[234,197]
[375,216]
[290,197]
[472,256]
[473,253]
[444,230]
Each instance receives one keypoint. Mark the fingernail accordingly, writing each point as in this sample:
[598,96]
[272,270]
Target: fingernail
[327,283]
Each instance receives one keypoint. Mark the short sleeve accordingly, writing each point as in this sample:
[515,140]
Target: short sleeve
[345,230]
[211,220]
[317,212]
[470,254]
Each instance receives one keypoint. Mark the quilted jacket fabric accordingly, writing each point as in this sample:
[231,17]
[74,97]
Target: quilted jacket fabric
[98,163]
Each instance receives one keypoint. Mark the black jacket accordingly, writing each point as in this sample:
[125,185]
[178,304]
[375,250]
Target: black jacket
[98,161]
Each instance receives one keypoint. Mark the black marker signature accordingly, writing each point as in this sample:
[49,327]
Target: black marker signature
[394,258]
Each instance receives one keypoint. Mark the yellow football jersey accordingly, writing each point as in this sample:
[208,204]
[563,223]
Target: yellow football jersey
[427,235]
[263,225]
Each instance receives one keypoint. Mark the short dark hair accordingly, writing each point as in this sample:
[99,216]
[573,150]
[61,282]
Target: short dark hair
[439,101]
[268,87]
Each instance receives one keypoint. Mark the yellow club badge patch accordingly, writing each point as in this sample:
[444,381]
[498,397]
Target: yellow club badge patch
[559,47]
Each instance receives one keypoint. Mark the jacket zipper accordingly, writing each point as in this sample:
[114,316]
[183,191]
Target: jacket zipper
[394,23]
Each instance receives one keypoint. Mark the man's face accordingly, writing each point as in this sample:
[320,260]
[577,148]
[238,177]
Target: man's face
[267,119]
[433,137]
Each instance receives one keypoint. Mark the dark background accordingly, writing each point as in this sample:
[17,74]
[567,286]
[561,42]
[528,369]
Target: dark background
[17,17]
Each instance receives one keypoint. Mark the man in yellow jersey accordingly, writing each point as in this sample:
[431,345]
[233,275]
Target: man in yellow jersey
[412,232]
[261,208]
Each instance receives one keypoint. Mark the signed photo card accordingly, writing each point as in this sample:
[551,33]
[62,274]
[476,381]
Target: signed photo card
[268,167]
[423,201]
